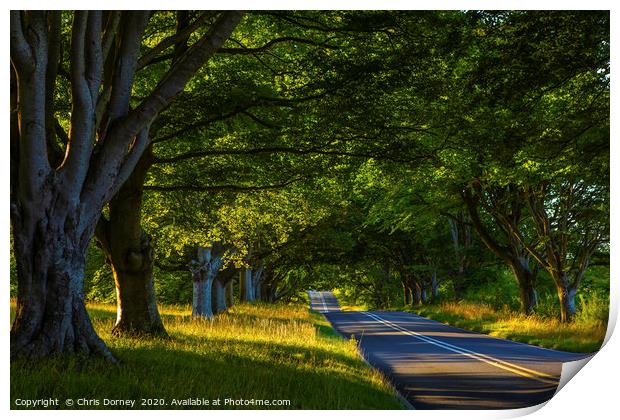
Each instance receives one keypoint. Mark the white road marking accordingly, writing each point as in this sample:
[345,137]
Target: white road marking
[323,301]
[519,370]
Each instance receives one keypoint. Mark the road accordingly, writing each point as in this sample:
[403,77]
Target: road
[436,366]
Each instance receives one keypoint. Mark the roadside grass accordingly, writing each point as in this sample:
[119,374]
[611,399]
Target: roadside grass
[257,351]
[348,303]
[582,335]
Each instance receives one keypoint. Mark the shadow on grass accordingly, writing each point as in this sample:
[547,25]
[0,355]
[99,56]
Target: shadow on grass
[310,379]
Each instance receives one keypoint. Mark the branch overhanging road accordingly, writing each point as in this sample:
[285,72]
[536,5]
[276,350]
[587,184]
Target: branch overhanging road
[436,366]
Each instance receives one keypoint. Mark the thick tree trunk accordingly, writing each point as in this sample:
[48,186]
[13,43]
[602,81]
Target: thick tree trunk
[566,296]
[54,209]
[416,290]
[526,280]
[51,317]
[220,297]
[204,269]
[201,303]
[406,294]
[128,249]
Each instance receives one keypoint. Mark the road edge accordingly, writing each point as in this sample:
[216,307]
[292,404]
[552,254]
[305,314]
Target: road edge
[389,380]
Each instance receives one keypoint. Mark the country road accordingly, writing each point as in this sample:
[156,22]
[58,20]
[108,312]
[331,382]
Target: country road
[436,366]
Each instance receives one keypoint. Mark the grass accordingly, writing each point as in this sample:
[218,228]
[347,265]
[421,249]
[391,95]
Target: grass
[582,335]
[348,303]
[254,352]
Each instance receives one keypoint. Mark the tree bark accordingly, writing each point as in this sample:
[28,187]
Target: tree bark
[54,209]
[51,317]
[257,282]
[423,294]
[417,292]
[406,294]
[129,251]
[201,302]
[220,297]
[566,296]
[526,281]
[246,289]
[230,297]
[434,288]
[204,269]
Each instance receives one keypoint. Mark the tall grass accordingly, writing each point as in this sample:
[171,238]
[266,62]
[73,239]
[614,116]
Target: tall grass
[260,352]
[585,334]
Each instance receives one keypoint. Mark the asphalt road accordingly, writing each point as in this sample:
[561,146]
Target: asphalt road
[436,366]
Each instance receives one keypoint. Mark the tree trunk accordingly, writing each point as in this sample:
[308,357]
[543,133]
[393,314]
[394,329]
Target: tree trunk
[406,294]
[129,250]
[246,289]
[566,295]
[434,288]
[220,297]
[526,280]
[258,291]
[51,316]
[201,303]
[257,282]
[230,297]
[54,209]
[204,269]
[416,291]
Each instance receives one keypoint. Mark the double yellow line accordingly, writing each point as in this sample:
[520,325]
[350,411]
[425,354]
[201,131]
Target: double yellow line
[502,364]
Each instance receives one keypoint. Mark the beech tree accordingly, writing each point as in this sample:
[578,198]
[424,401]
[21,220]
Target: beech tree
[571,223]
[204,267]
[506,208]
[181,138]
[55,206]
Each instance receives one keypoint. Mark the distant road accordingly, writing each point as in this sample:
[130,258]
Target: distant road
[436,366]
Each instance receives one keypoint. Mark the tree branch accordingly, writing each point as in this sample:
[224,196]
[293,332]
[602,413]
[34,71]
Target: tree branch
[268,45]
[218,188]
[86,70]
[148,57]
[173,83]
[21,53]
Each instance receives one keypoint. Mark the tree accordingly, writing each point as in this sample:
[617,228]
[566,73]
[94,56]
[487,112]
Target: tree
[55,208]
[218,100]
[209,260]
[571,224]
[505,206]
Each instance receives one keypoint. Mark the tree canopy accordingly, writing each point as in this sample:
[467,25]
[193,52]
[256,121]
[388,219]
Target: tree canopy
[385,153]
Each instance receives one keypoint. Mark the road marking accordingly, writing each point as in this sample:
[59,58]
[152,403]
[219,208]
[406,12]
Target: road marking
[519,370]
[323,301]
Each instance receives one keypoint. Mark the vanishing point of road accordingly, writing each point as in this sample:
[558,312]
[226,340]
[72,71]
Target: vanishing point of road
[436,366]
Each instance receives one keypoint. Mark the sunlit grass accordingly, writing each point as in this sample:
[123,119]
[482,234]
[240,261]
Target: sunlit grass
[255,351]
[348,303]
[579,336]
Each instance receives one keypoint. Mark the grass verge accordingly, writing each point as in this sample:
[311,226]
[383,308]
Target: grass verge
[254,352]
[580,336]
